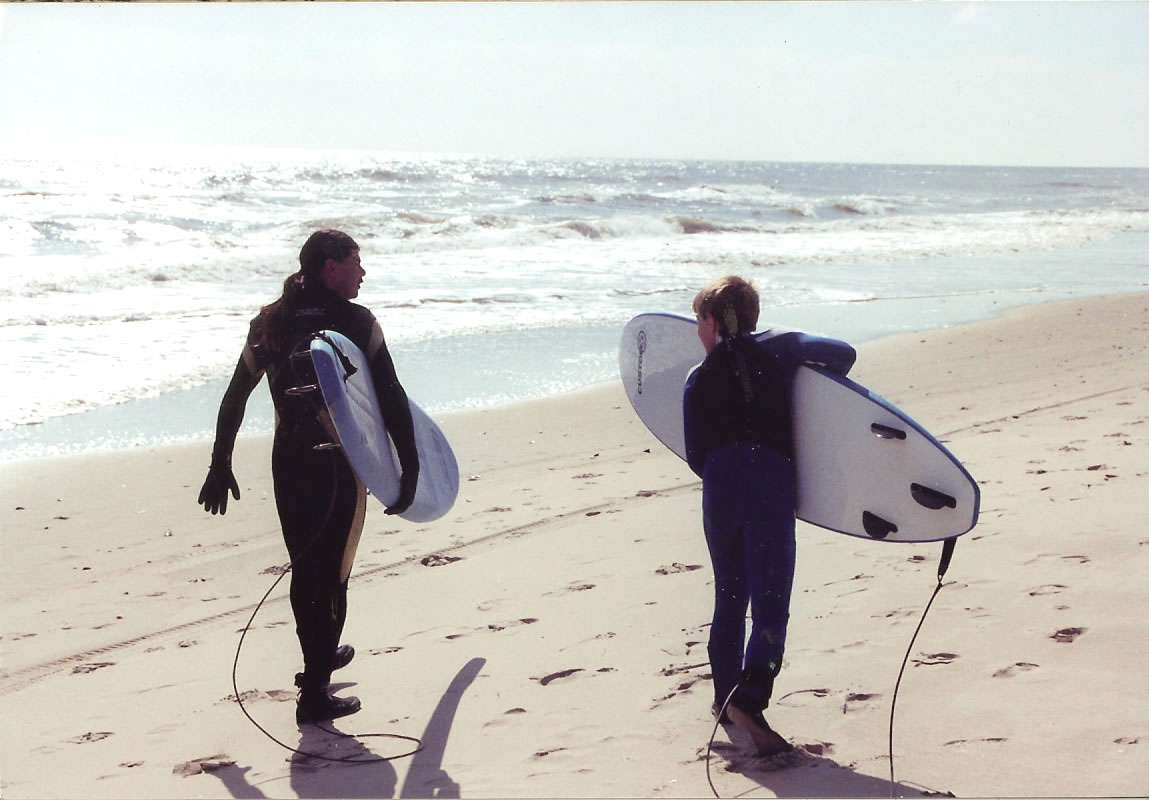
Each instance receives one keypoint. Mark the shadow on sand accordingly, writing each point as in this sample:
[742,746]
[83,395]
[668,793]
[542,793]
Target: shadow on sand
[803,774]
[374,776]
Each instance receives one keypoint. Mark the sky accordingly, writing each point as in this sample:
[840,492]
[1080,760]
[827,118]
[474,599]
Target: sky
[1018,83]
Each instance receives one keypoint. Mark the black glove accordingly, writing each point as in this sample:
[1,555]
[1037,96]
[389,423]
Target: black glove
[407,483]
[213,495]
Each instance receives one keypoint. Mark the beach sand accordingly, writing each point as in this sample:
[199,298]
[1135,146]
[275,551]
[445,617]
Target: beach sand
[547,637]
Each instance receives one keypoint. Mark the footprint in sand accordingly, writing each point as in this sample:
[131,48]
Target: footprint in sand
[495,626]
[1014,669]
[796,698]
[508,718]
[861,576]
[739,761]
[554,676]
[816,748]
[1047,588]
[382,651]
[857,698]
[90,737]
[1067,635]
[513,623]
[668,671]
[571,587]
[256,695]
[91,667]
[677,567]
[1078,558]
[206,764]
[991,739]
[680,688]
[545,753]
[932,659]
[438,560]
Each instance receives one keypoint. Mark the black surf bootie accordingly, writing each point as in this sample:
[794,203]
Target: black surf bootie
[318,705]
[343,655]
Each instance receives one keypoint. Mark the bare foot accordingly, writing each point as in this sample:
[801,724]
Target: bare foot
[766,740]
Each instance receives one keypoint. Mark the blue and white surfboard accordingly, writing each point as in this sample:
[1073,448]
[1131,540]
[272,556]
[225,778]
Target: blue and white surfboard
[354,409]
[864,467]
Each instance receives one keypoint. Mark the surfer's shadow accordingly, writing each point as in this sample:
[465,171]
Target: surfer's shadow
[804,774]
[355,770]
[311,776]
[363,774]
[425,775]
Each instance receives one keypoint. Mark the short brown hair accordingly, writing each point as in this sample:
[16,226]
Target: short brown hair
[731,300]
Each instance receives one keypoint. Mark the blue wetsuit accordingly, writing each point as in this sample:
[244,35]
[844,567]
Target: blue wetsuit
[737,420]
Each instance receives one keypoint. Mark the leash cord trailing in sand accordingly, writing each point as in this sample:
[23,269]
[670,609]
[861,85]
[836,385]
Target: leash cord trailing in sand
[346,760]
[718,721]
[947,552]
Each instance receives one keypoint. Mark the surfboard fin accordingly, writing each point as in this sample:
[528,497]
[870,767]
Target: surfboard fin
[931,498]
[886,432]
[877,527]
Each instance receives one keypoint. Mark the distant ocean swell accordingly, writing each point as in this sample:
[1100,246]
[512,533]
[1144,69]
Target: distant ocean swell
[132,276]
[92,234]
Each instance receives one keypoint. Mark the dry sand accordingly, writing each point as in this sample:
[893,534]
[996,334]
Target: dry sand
[547,637]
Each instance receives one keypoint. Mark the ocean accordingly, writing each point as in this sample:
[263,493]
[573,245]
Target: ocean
[127,279]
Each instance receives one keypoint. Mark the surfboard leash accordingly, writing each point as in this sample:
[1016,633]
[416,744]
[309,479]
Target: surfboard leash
[943,565]
[714,732]
[343,760]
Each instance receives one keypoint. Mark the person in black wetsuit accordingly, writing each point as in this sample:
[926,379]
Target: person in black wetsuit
[737,423]
[320,500]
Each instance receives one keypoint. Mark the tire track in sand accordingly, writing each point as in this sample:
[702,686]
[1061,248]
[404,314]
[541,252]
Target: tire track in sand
[27,676]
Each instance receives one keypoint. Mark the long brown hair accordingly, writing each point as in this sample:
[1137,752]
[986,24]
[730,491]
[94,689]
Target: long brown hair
[319,247]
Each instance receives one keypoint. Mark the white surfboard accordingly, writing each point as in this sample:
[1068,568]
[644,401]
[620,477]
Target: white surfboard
[354,410]
[864,467]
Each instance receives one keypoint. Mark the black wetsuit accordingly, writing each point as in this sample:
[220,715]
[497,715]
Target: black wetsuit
[320,500]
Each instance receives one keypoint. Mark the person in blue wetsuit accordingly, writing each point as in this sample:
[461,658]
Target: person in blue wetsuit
[737,421]
[320,500]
